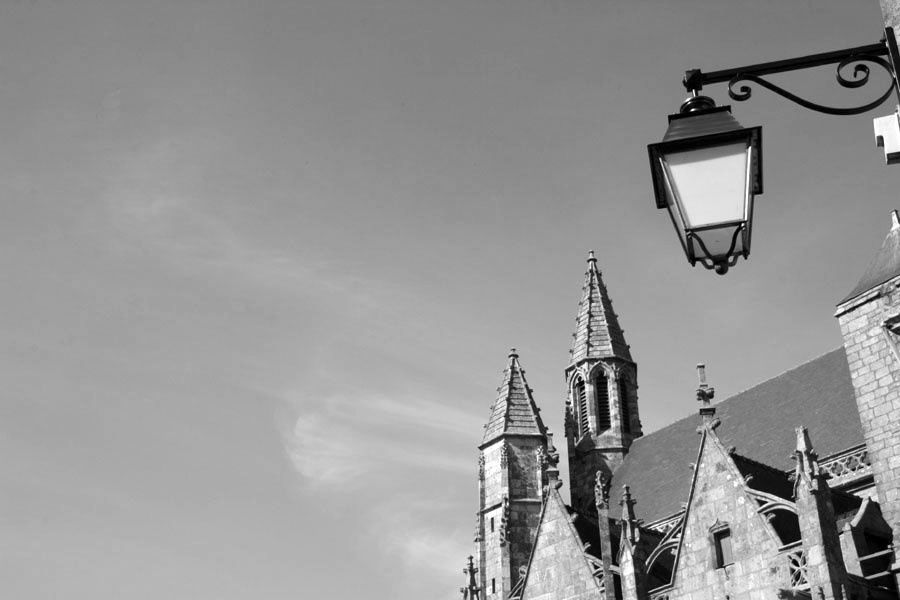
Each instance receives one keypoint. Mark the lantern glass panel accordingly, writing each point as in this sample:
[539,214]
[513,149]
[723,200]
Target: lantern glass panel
[710,184]
[717,241]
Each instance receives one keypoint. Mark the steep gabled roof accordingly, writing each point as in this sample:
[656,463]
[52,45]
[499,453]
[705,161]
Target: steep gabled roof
[759,422]
[514,411]
[886,264]
[597,330]
[560,555]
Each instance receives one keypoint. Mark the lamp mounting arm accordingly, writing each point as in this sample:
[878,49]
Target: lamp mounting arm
[695,79]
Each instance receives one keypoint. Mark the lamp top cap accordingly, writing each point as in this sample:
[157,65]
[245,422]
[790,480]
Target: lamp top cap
[696,104]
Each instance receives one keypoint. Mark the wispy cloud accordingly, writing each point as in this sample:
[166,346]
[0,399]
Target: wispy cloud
[421,541]
[349,440]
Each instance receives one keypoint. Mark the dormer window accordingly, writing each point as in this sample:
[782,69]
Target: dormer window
[722,544]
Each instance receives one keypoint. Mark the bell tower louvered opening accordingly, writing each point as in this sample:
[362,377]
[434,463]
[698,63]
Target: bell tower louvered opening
[601,390]
[624,402]
[580,393]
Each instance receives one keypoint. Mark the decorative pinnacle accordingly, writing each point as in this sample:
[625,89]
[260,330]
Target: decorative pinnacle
[705,393]
[592,258]
[629,522]
[601,491]
[807,462]
[470,592]
[895,220]
[513,353]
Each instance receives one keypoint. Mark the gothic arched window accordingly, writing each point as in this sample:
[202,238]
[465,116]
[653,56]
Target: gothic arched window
[623,400]
[601,391]
[580,398]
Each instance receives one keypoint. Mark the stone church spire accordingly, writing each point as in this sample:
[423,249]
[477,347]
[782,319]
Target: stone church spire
[514,411]
[602,409]
[515,464]
[597,330]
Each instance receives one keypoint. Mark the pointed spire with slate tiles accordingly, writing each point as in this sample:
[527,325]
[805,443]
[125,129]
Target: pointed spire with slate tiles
[886,264]
[514,411]
[597,330]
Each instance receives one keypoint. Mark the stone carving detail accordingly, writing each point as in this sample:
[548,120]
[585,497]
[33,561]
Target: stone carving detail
[504,455]
[571,426]
[890,329]
[541,455]
[601,491]
[477,528]
[481,465]
[797,569]
[504,521]
[666,526]
[849,465]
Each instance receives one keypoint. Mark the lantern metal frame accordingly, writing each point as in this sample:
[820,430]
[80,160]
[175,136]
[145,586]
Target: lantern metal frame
[663,189]
[695,79]
[883,54]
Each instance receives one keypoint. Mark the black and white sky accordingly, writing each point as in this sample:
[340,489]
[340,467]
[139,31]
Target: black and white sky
[262,263]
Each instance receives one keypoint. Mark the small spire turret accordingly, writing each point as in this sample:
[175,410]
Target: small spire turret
[629,521]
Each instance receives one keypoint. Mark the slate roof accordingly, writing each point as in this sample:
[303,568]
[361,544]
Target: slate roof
[597,330]
[759,422]
[514,411]
[885,265]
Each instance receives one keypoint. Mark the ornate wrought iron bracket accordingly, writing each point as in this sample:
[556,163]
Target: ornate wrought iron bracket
[873,54]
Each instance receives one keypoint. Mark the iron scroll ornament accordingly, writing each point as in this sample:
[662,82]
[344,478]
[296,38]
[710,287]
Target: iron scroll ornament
[859,78]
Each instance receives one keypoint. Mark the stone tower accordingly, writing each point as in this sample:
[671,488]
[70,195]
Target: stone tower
[870,325]
[602,406]
[516,458]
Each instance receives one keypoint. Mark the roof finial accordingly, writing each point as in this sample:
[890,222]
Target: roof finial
[513,353]
[807,469]
[471,591]
[629,521]
[705,393]
[895,220]
[592,259]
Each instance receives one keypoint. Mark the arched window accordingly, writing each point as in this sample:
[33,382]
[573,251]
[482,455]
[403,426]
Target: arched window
[623,401]
[580,396]
[601,390]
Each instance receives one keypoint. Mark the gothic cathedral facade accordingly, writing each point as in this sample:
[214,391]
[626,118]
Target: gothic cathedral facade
[793,489]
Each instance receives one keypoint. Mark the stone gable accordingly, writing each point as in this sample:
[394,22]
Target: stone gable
[719,502]
[558,566]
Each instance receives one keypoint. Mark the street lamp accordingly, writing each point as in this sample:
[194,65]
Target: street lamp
[706,172]
[707,169]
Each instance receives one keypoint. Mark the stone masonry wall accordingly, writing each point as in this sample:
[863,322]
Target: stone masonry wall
[492,514]
[875,373]
[559,570]
[513,484]
[525,491]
